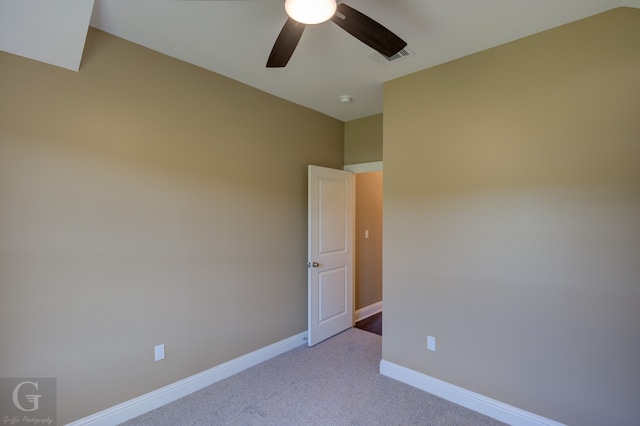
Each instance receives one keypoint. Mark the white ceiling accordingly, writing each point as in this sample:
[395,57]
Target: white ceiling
[48,31]
[234,38]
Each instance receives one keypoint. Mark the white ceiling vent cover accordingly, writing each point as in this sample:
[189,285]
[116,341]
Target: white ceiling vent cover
[384,60]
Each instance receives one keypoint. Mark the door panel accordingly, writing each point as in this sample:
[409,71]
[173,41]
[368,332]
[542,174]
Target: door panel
[331,211]
[331,228]
[332,286]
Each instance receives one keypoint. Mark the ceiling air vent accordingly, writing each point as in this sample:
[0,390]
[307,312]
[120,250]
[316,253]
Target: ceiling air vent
[384,60]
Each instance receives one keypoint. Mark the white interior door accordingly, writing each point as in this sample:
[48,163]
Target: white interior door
[330,263]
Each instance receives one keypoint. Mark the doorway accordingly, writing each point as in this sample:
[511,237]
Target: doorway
[368,246]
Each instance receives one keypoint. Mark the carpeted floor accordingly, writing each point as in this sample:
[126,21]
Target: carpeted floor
[336,382]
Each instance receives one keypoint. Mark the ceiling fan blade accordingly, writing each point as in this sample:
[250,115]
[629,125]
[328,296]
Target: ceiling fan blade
[285,44]
[367,30]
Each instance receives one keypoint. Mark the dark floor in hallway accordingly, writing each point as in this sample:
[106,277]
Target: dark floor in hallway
[372,324]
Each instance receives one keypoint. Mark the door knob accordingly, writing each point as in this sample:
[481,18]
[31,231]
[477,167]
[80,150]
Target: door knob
[312,264]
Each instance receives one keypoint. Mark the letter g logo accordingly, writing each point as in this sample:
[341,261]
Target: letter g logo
[34,399]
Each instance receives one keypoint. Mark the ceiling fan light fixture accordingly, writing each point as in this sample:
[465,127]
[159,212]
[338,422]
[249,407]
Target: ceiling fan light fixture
[310,11]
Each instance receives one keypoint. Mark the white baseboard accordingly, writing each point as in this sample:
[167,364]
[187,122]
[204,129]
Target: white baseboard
[368,311]
[474,401]
[152,400]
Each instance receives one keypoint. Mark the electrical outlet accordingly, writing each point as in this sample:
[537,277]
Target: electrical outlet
[159,352]
[431,343]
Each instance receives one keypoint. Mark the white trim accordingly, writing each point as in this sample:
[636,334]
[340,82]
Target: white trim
[159,397]
[375,166]
[368,311]
[474,401]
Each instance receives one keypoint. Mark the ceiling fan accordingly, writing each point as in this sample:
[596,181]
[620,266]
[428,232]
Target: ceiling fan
[304,12]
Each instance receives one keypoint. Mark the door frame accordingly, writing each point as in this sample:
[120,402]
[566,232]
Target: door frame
[355,169]
[367,311]
[375,166]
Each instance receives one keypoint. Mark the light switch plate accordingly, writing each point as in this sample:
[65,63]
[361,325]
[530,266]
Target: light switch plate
[431,343]
[159,352]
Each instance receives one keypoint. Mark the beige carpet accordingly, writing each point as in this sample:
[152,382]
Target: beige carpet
[334,383]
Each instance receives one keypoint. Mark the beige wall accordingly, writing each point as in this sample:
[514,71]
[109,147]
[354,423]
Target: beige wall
[512,221]
[368,288]
[145,201]
[363,140]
